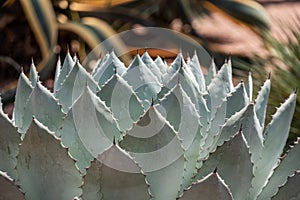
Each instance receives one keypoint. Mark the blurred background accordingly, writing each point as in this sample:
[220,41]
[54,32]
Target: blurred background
[261,37]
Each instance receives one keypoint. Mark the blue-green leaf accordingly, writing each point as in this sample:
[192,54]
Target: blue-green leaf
[127,109]
[94,123]
[45,170]
[74,85]
[233,163]
[275,134]
[261,102]
[114,175]
[9,145]
[195,66]
[155,146]
[211,187]
[63,71]
[44,107]
[9,191]
[24,90]
[152,66]
[108,68]
[220,86]
[290,190]
[287,167]
[144,83]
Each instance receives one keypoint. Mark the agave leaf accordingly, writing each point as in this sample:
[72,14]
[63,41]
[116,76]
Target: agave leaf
[261,102]
[287,168]
[9,191]
[233,162]
[220,86]
[71,140]
[108,68]
[155,146]
[44,107]
[98,64]
[276,134]
[211,187]
[290,190]
[64,71]
[128,109]
[74,85]
[45,170]
[23,92]
[175,66]
[244,118]
[181,113]
[152,66]
[211,134]
[161,65]
[57,74]
[113,176]
[94,123]
[9,145]
[144,83]
[212,72]
[249,87]
[195,66]
[33,75]
[191,88]
[236,100]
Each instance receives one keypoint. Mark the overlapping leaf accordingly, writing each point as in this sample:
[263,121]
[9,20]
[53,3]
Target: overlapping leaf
[155,146]
[45,170]
[113,176]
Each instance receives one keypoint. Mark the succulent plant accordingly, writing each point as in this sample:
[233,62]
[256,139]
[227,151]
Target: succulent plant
[146,132]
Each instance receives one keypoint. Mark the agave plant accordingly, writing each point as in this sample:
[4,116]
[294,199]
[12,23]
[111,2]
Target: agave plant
[145,132]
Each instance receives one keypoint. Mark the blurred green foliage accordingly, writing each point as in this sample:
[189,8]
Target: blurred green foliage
[283,64]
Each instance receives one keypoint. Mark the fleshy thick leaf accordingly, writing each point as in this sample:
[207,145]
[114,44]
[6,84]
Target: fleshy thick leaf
[24,90]
[64,71]
[33,75]
[195,66]
[94,123]
[9,146]
[287,168]
[181,113]
[108,68]
[175,66]
[220,86]
[113,176]
[45,170]
[212,72]
[290,190]
[155,146]
[71,140]
[74,85]
[152,66]
[161,65]
[249,87]
[44,107]
[261,102]
[211,187]
[9,191]
[57,74]
[236,100]
[127,109]
[144,83]
[276,134]
[233,163]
